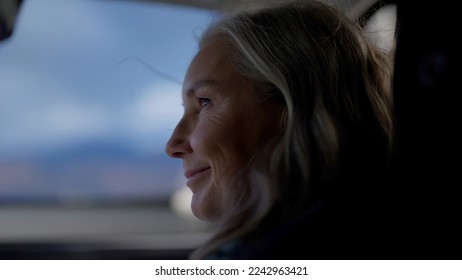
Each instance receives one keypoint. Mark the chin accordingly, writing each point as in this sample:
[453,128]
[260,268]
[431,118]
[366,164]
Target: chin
[204,210]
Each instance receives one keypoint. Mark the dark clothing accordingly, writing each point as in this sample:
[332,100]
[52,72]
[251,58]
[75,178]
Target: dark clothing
[322,231]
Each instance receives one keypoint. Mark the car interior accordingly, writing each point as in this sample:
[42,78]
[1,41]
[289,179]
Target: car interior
[90,92]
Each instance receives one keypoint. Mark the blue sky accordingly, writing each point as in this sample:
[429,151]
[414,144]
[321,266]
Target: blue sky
[79,70]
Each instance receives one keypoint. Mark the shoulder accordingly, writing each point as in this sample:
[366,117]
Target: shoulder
[322,231]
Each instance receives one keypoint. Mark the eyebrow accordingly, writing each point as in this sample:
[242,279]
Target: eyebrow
[200,84]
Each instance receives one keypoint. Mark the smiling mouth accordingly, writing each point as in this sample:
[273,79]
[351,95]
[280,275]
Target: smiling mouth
[193,174]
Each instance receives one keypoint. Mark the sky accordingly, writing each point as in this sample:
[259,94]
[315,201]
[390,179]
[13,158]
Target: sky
[80,70]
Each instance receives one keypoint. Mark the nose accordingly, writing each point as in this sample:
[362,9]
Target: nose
[178,145]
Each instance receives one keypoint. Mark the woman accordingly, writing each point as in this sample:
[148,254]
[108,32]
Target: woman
[287,121]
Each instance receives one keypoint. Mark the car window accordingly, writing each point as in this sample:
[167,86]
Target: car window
[90,94]
[381,27]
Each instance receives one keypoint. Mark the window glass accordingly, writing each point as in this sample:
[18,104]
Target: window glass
[381,27]
[90,93]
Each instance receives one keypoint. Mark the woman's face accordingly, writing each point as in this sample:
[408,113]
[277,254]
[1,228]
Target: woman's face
[222,125]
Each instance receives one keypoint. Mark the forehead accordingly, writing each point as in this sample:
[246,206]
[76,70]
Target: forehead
[211,66]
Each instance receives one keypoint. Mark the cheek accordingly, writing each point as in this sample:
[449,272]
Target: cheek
[232,139]
[225,146]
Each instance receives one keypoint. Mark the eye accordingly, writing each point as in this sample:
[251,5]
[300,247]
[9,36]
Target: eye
[203,102]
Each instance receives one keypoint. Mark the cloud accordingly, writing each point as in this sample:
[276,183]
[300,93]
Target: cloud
[60,123]
[158,108]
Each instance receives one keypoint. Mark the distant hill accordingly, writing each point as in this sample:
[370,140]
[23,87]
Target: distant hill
[90,173]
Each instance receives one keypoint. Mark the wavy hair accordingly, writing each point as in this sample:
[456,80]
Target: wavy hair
[334,87]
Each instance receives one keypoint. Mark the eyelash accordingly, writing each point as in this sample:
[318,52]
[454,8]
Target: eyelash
[202,100]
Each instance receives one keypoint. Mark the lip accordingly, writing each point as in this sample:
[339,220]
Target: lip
[191,174]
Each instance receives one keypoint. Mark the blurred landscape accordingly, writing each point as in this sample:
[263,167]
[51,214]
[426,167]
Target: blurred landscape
[89,173]
[90,92]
